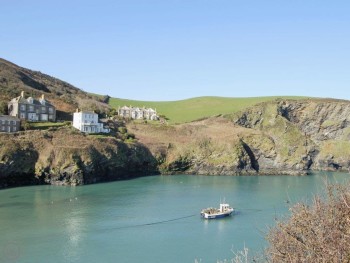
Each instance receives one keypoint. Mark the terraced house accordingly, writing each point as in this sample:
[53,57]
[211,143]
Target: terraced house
[9,123]
[32,109]
[138,113]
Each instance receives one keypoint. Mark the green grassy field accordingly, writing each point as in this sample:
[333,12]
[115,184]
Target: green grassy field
[46,125]
[196,108]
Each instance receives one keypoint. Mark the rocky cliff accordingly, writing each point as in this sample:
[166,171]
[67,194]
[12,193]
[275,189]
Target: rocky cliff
[67,157]
[308,134]
[278,137]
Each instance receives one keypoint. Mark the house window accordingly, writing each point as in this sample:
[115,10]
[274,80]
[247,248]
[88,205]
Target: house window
[22,115]
[31,108]
[3,128]
[14,128]
[23,107]
[50,110]
[44,117]
[43,109]
[32,117]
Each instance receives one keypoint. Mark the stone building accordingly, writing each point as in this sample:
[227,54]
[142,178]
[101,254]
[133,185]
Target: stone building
[9,124]
[32,109]
[137,113]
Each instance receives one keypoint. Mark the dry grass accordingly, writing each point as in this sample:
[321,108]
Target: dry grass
[219,131]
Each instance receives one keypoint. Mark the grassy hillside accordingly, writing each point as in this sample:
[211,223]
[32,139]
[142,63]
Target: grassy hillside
[196,108]
[15,79]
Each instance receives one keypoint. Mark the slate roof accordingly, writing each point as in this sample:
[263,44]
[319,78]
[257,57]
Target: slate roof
[22,100]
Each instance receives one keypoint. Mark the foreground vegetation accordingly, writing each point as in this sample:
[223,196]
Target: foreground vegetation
[319,232]
[316,232]
[196,108]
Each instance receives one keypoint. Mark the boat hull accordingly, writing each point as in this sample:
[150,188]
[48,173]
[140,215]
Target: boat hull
[217,215]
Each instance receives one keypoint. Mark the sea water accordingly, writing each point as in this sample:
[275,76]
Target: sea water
[148,219]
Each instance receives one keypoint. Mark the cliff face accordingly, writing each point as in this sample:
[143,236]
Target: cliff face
[279,137]
[308,134]
[212,146]
[66,157]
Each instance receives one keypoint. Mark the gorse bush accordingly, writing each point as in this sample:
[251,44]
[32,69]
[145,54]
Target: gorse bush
[319,232]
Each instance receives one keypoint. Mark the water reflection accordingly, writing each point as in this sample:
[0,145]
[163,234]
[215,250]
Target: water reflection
[219,225]
[74,225]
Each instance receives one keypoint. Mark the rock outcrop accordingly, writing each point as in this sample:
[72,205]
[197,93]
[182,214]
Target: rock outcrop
[278,137]
[308,134]
[67,157]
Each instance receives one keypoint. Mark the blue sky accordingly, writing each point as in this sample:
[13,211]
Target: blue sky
[177,49]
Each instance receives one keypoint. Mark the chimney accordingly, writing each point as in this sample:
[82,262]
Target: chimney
[77,110]
[43,96]
[22,94]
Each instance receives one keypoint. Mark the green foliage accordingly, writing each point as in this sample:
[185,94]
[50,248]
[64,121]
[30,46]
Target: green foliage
[112,112]
[3,108]
[25,125]
[195,108]
[128,137]
[122,130]
[45,125]
[337,148]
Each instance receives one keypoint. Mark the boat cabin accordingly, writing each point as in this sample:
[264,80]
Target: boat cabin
[224,207]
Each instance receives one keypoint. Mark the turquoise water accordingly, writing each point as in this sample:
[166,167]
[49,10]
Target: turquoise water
[149,219]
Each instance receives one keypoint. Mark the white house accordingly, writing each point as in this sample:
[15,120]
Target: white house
[87,121]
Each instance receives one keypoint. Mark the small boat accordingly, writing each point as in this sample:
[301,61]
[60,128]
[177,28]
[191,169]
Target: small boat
[212,213]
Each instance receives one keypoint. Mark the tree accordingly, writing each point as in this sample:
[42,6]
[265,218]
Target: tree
[3,108]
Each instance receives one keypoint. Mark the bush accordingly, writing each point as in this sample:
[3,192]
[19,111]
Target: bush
[25,125]
[122,130]
[316,233]
[3,108]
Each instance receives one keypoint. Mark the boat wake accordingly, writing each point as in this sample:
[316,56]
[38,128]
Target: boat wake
[154,223]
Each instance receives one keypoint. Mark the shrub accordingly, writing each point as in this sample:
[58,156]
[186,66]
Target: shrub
[3,108]
[25,125]
[122,130]
[316,233]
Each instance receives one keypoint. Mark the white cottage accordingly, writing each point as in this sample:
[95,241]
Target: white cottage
[87,121]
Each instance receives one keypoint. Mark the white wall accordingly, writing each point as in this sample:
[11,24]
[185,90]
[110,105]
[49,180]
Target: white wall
[83,120]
